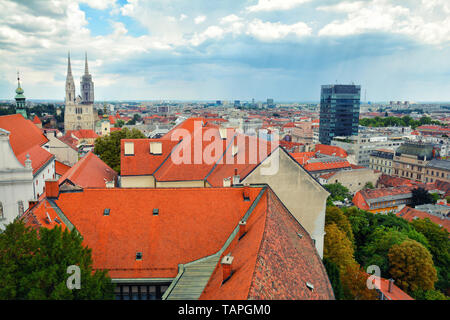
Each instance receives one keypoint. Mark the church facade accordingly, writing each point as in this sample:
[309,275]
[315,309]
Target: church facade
[79,110]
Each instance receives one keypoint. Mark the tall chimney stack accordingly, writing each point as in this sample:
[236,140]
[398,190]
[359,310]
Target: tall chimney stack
[391,283]
[242,228]
[227,262]
[236,178]
[52,188]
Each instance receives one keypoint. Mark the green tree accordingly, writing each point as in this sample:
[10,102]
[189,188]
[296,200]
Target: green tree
[368,185]
[337,247]
[337,191]
[335,215]
[429,295]
[34,266]
[108,147]
[420,196]
[439,246]
[119,123]
[335,279]
[411,265]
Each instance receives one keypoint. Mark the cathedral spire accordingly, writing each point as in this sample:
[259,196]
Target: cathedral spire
[86,71]
[69,67]
[70,85]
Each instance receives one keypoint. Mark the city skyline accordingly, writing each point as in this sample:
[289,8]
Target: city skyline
[203,51]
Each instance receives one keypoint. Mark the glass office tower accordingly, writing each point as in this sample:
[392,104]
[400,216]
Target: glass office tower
[339,111]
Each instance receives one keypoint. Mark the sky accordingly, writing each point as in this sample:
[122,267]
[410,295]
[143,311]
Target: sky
[227,49]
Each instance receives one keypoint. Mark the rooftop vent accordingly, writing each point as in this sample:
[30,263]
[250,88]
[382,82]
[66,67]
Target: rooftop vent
[299,235]
[155,211]
[57,221]
[310,286]
[138,255]
[106,212]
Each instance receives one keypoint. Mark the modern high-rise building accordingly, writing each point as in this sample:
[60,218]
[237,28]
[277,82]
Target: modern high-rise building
[339,111]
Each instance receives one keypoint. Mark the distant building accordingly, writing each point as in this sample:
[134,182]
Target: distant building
[437,169]
[382,160]
[79,111]
[384,200]
[339,111]
[410,160]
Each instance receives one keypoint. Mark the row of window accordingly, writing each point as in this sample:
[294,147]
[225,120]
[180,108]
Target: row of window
[140,291]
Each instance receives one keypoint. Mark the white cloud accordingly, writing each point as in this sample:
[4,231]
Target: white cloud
[199,19]
[424,24]
[99,4]
[268,31]
[273,5]
[183,16]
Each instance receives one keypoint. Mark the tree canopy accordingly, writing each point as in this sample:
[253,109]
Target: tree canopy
[34,266]
[108,147]
[405,121]
[421,196]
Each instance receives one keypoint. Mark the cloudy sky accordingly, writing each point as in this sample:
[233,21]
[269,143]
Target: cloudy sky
[227,49]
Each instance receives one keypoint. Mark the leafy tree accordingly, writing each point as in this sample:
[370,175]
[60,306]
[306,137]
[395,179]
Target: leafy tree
[429,295]
[411,265]
[34,266]
[439,246]
[337,191]
[354,281]
[335,279]
[119,123]
[337,247]
[108,147]
[420,196]
[335,215]
[435,197]
[368,185]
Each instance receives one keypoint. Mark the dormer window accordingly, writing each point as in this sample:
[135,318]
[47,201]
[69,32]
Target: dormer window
[138,255]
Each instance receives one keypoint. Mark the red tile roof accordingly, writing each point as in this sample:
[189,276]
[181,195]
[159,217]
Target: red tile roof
[61,168]
[271,261]
[331,150]
[191,224]
[26,138]
[89,172]
[302,157]
[410,214]
[37,216]
[36,120]
[319,166]
[82,134]
[395,294]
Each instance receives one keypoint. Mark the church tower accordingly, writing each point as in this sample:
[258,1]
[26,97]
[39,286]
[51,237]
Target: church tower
[70,85]
[87,86]
[79,110]
[20,99]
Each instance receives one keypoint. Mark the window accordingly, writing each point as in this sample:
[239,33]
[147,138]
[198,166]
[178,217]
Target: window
[140,291]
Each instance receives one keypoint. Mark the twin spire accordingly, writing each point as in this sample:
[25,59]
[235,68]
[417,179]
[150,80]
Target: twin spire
[69,67]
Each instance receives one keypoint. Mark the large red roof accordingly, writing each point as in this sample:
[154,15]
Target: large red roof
[26,138]
[61,168]
[331,150]
[89,172]
[191,224]
[319,166]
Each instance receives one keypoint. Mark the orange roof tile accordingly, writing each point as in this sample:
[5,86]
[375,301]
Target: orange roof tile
[319,166]
[185,229]
[331,150]
[36,120]
[410,214]
[271,261]
[61,168]
[89,172]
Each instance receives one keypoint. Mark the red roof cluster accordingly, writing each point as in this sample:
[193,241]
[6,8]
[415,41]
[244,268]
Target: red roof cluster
[275,259]
[221,163]
[89,172]
[410,214]
[331,150]
[26,138]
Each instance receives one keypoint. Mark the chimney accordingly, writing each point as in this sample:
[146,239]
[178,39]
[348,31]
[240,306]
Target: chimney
[236,178]
[52,188]
[391,283]
[227,262]
[242,228]
[246,193]
[227,182]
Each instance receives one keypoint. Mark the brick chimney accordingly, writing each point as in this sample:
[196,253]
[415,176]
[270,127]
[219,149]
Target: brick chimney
[52,188]
[242,228]
[246,192]
[236,178]
[227,263]
[391,284]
